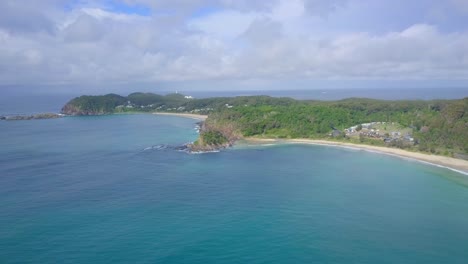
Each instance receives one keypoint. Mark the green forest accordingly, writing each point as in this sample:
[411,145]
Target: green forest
[438,126]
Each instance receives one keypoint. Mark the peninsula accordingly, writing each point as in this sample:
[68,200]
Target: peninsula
[436,127]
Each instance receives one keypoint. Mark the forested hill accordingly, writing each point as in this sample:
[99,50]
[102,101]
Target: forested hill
[438,126]
[112,103]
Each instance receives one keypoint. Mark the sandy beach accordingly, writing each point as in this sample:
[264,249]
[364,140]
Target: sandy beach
[450,163]
[193,116]
[458,165]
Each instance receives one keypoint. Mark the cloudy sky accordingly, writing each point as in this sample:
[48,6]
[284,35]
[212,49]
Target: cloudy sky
[240,44]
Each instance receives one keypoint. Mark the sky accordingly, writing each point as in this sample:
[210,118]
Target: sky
[232,44]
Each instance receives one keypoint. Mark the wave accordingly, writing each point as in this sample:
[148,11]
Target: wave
[157,147]
[203,152]
[165,147]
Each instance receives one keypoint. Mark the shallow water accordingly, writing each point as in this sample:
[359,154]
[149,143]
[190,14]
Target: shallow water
[85,190]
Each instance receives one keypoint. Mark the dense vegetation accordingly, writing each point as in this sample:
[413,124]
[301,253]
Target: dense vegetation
[438,126]
[212,138]
[91,105]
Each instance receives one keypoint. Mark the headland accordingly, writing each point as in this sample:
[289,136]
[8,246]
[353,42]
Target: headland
[432,131]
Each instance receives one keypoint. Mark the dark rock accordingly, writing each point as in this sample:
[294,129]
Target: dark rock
[70,109]
[30,117]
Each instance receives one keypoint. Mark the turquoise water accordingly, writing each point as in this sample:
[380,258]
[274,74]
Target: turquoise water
[85,190]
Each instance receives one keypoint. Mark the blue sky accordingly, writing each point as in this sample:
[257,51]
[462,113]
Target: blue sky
[122,7]
[242,44]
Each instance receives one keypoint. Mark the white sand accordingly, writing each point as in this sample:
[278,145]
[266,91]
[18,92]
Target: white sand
[458,165]
[193,116]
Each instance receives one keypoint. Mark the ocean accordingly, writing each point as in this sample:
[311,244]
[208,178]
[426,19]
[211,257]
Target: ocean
[112,189]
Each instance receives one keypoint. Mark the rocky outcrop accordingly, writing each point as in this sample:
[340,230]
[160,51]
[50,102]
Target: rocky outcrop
[200,148]
[214,137]
[31,117]
[73,110]
[70,109]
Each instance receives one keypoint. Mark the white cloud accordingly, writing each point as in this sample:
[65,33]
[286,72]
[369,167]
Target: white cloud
[93,45]
[85,28]
[323,8]
[225,24]
[288,9]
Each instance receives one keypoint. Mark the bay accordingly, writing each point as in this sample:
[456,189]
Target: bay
[95,190]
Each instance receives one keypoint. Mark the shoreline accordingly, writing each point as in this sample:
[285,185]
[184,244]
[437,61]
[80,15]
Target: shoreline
[457,165]
[453,164]
[187,115]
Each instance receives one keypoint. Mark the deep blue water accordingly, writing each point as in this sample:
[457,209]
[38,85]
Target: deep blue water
[84,190]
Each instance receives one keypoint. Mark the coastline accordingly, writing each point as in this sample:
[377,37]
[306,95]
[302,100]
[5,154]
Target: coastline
[187,115]
[457,165]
